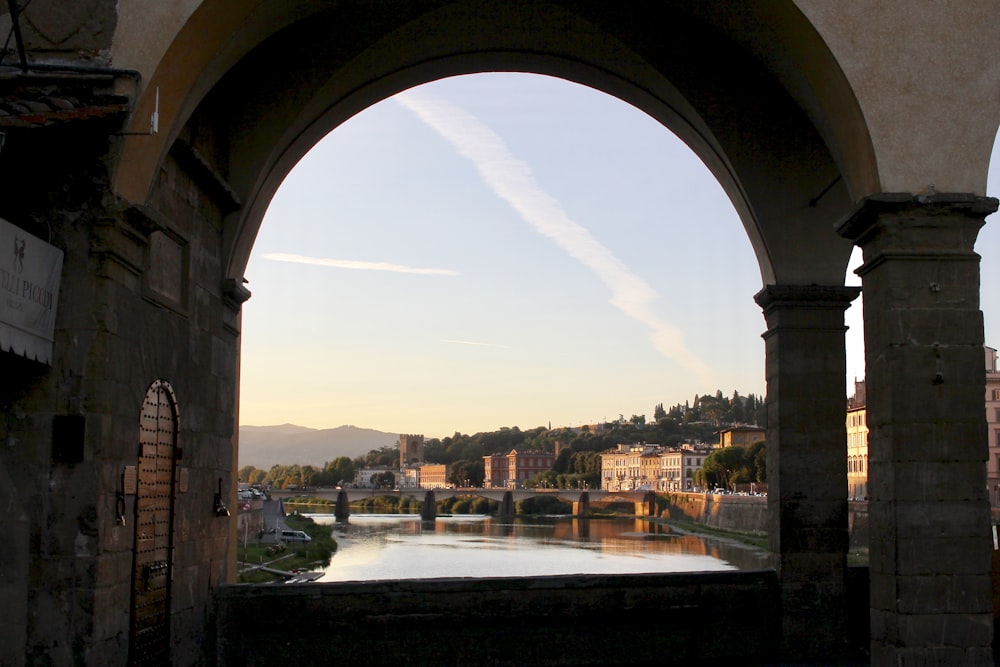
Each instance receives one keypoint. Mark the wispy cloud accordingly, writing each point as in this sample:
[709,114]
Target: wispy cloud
[472,342]
[356,265]
[512,180]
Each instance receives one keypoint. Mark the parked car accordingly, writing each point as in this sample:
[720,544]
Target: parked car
[294,536]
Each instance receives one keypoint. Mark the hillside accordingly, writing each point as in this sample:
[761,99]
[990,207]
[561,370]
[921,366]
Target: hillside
[265,446]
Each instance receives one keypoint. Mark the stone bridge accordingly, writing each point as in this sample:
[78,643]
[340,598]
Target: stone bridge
[644,502]
[141,143]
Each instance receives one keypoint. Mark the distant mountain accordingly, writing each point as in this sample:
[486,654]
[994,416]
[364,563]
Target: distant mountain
[265,446]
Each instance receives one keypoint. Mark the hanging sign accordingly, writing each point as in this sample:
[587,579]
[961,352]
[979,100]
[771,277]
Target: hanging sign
[30,270]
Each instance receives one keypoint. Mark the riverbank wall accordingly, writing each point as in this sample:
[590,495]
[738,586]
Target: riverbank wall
[738,514]
[745,514]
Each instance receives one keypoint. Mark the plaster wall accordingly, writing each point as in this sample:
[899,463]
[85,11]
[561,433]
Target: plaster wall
[911,94]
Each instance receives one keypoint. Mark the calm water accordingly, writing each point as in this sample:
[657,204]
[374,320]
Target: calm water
[395,546]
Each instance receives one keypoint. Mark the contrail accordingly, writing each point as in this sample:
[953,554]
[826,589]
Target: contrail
[355,264]
[512,180]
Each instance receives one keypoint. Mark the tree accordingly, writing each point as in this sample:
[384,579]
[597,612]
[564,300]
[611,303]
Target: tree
[757,457]
[245,473]
[467,473]
[727,467]
[737,408]
[339,470]
[384,480]
[659,413]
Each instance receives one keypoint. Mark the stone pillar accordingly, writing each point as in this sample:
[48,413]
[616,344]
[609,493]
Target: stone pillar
[428,511]
[507,505]
[807,464]
[342,510]
[928,505]
[646,506]
[581,508]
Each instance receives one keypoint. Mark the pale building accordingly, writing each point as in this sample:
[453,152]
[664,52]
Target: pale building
[857,444]
[630,467]
[363,477]
[993,425]
[677,468]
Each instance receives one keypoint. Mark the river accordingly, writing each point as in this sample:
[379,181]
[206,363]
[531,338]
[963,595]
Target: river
[401,546]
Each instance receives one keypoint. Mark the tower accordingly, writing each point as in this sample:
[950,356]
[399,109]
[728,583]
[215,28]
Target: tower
[411,449]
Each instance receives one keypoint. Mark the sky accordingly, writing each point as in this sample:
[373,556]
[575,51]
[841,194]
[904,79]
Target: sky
[502,250]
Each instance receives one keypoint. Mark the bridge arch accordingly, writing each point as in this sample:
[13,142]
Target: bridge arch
[253,105]
[807,111]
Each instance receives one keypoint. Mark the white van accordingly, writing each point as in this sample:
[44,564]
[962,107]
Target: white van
[294,536]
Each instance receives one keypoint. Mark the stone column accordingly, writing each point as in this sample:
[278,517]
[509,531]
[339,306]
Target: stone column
[928,505]
[807,464]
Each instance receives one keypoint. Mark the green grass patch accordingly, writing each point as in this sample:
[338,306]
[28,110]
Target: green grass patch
[291,556]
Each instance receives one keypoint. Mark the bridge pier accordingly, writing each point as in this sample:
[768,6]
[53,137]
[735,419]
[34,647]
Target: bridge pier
[343,509]
[507,504]
[581,508]
[646,506]
[428,511]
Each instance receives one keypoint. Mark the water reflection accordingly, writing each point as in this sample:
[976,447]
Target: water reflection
[399,546]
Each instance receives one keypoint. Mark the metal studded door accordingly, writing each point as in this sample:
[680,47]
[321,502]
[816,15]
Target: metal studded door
[154,509]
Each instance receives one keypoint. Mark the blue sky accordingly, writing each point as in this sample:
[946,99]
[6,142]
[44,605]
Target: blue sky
[500,250]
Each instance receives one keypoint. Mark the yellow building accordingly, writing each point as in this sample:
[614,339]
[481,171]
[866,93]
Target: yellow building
[857,444]
[434,476]
[741,436]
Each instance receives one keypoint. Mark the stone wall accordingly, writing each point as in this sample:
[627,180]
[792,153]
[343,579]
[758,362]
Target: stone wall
[747,514]
[565,620]
[740,514]
[141,299]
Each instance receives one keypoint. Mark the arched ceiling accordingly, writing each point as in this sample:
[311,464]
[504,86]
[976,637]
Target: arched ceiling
[731,84]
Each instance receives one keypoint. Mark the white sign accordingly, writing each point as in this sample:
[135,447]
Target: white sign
[30,270]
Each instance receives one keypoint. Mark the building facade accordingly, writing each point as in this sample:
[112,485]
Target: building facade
[650,467]
[365,478]
[513,469]
[741,436]
[857,444]
[677,468]
[434,475]
[993,425]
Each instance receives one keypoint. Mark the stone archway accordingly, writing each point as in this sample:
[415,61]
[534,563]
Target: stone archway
[808,112]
